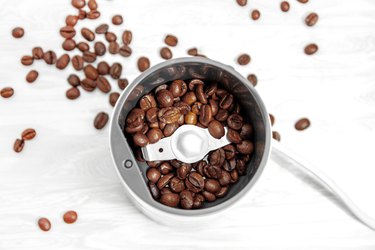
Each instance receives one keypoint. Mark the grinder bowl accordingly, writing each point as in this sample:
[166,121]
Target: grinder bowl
[133,173]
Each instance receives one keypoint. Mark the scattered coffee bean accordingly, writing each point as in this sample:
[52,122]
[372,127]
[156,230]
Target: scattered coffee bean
[70,217]
[143,63]
[6,92]
[255,14]
[69,45]
[77,62]
[113,97]
[67,32]
[127,37]
[92,5]
[32,76]
[37,53]
[18,145]
[122,83]
[44,224]
[102,29]
[88,84]
[252,79]
[89,56]
[115,71]
[27,60]
[302,124]
[28,134]
[73,93]
[272,119]
[99,48]
[78,3]
[93,14]
[83,46]
[110,37]
[311,49]
[125,51]
[192,52]
[50,57]
[276,135]
[284,6]
[103,84]
[117,20]
[88,34]
[171,40]
[90,72]
[113,47]
[243,59]
[18,32]
[103,68]
[303,1]
[82,14]
[63,61]
[101,120]
[311,19]
[71,20]
[241,2]
[166,53]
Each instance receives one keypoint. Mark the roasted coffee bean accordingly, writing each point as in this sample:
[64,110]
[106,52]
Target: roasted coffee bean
[154,135]
[125,51]
[165,98]
[143,63]
[191,118]
[303,1]
[311,19]
[311,49]
[178,88]
[243,59]
[44,224]
[91,72]
[222,192]
[196,108]
[83,46]
[189,98]
[147,102]
[169,115]
[246,131]
[122,83]
[50,57]
[154,164]
[18,145]
[233,136]
[78,3]
[171,40]
[137,126]
[71,20]
[117,20]
[176,185]
[113,97]
[6,92]
[103,84]
[73,93]
[183,171]
[198,201]
[82,14]
[222,115]
[134,115]
[302,124]
[194,182]
[67,32]
[63,61]
[74,80]
[102,29]
[89,57]
[216,129]
[170,200]
[221,92]
[212,171]
[186,199]
[225,178]
[230,164]
[255,15]
[37,53]
[234,176]
[27,60]
[214,106]
[152,115]
[252,79]
[284,6]
[230,151]
[183,107]
[93,14]
[88,84]
[212,186]
[195,82]
[69,44]
[241,2]
[205,116]
[99,48]
[235,121]
[166,53]
[92,5]
[192,52]
[241,167]
[18,32]
[164,181]
[28,134]
[272,119]
[127,37]
[32,76]
[103,68]
[160,87]
[245,147]
[165,168]
[101,120]
[209,196]
[154,190]
[70,217]
[153,175]
[217,157]
[165,190]
[140,139]
[226,102]
[113,47]
[110,37]
[115,71]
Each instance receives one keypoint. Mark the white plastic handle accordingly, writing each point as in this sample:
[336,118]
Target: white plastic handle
[323,179]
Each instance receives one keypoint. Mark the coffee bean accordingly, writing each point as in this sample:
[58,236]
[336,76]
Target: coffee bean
[77,62]
[183,171]
[102,29]
[153,175]
[18,145]
[72,93]
[169,115]
[110,37]
[127,37]
[101,120]
[272,119]
[276,136]
[311,19]
[233,136]
[154,135]
[222,192]
[37,53]
[113,47]
[32,76]
[198,201]
[89,57]
[222,115]
[178,88]
[100,49]
[44,224]
[176,185]
[209,196]
[78,3]
[226,102]
[28,134]
[241,2]
[155,192]
[225,178]
[163,181]
[302,124]
[6,92]
[67,32]
[233,176]
[125,51]
[311,49]
[117,20]
[113,97]
[212,186]
[147,102]
[140,139]
[235,121]
[91,72]
[92,5]
[18,32]
[191,118]
[71,20]
[50,57]
[205,116]
[83,46]
[216,129]
[243,59]
[190,98]
[245,147]
[194,83]
[170,199]
[230,151]
[284,6]
[192,52]
[166,53]
[217,157]
[186,199]
[252,79]
[246,131]
[122,83]
[255,14]
[103,84]
[196,108]
[194,182]
[115,71]
[143,63]
[303,1]
[27,60]
[82,14]
[88,84]
[171,40]
[93,14]
[70,217]
[103,68]
[69,44]
[63,61]
[165,98]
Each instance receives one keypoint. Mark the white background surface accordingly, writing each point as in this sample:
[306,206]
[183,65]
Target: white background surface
[68,165]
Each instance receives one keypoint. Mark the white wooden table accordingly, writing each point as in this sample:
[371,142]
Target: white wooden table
[68,165]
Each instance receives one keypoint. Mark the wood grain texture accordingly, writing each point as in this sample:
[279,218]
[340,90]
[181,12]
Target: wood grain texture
[68,165]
